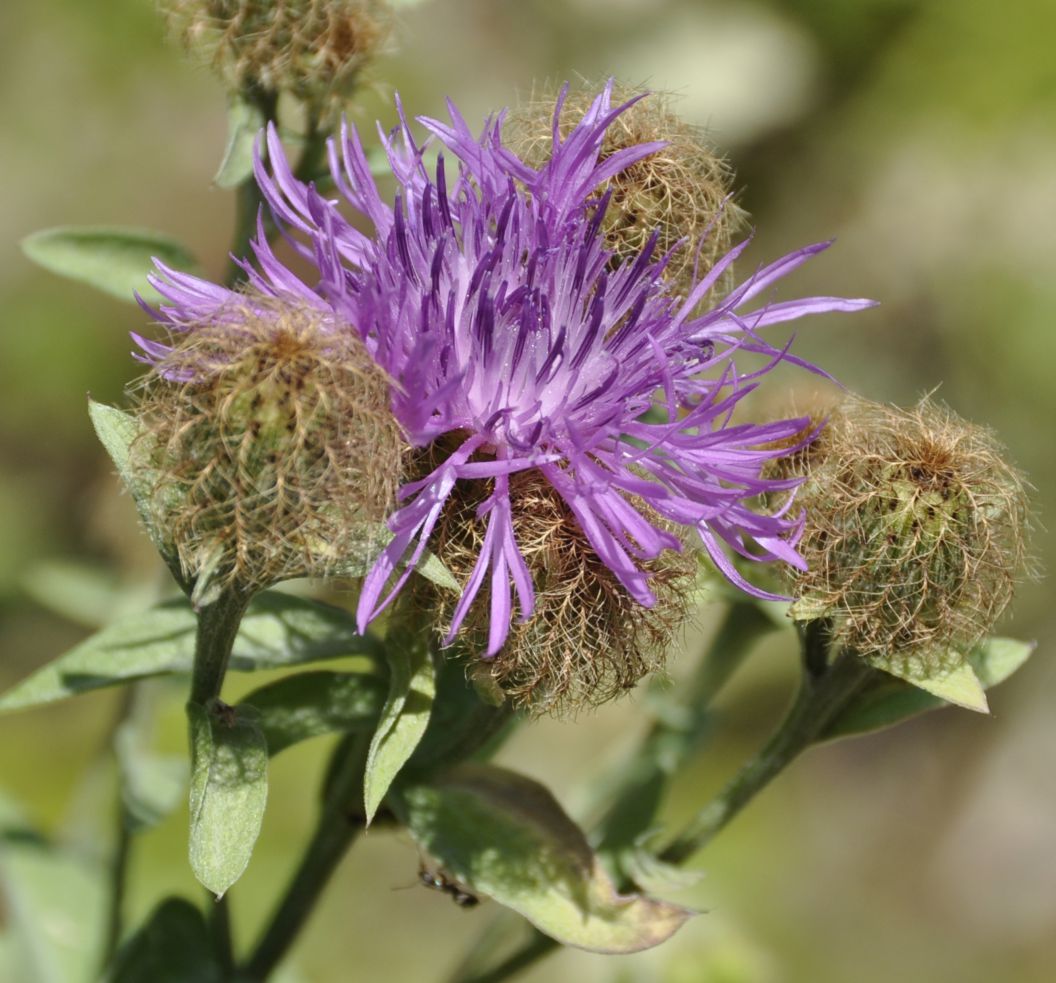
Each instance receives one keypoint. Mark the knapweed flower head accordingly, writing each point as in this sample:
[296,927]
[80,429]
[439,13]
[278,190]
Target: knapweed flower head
[271,439]
[314,49]
[683,192]
[525,363]
[914,536]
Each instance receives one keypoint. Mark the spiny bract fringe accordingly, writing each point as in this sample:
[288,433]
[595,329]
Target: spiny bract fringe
[915,533]
[682,191]
[274,444]
[588,641]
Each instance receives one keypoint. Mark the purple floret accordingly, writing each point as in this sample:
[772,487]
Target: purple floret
[493,302]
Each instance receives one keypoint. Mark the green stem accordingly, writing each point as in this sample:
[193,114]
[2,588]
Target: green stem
[122,840]
[339,823]
[219,923]
[248,198]
[533,950]
[818,702]
[218,625]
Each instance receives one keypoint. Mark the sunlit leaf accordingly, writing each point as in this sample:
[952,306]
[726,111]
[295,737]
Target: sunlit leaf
[172,946]
[111,259]
[504,836]
[309,704]
[888,700]
[278,630]
[229,789]
[412,687]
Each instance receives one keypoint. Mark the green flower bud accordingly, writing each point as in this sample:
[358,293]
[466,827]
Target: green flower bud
[682,191]
[915,534]
[313,49]
[275,450]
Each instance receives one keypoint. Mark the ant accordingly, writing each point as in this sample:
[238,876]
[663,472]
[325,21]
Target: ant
[437,880]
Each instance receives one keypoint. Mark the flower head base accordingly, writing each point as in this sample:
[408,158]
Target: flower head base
[273,443]
[313,49]
[588,640]
[516,346]
[914,537]
[682,192]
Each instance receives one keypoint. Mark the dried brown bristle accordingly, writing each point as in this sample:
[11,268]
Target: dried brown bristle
[588,640]
[312,48]
[915,533]
[273,442]
[682,191]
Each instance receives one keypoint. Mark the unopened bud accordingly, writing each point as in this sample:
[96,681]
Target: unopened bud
[313,49]
[914,538]
[274,445]
[683,191]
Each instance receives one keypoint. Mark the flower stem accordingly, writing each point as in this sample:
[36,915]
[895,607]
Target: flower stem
[248,198]
[819,700]
[340,821]
[122,839]
[218,625]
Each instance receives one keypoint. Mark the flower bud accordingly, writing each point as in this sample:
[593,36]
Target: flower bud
[682,191]
[313,49]
[914,537]
[275,449]
[587,640]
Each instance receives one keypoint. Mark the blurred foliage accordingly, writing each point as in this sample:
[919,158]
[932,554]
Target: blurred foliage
[922,134]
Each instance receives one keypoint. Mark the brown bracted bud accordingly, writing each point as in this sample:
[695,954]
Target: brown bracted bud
[683,191]
[275,450]
[915,534]
[588,641]
[314,49]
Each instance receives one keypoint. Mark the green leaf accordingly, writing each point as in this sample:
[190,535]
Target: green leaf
[504,836]
[889,700]
[111,259]
[412,687]
[172,946]
[121,435]
[278,630]
[152,784]
[229,789]
[309,704]
[245,119]
[84,593]
[54,905]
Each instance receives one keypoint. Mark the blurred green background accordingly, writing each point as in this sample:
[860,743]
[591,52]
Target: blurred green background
[921,134]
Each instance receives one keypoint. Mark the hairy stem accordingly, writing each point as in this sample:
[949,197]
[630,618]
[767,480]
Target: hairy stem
[218,625]
[340,821]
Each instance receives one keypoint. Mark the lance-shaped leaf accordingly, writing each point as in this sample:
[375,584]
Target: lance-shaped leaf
[412,687]
[111,259]
[54,904]
[278,630]
[887,700]
[309,704]
[229,789]
[172,946]
[504,836]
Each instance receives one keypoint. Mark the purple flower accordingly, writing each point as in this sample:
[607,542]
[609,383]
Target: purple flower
[491,300]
